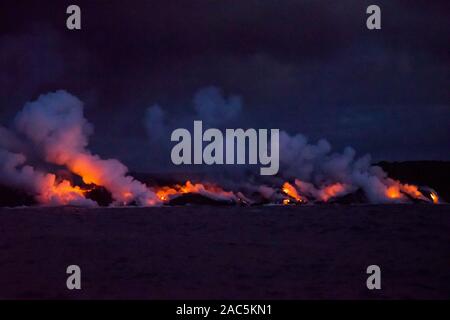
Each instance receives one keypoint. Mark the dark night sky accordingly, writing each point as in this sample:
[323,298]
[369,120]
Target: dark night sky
[301,66]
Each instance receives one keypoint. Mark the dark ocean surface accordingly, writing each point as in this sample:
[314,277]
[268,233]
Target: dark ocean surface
[273,252]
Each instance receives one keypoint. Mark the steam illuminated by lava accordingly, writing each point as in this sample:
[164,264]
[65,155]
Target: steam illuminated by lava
[393,192]
[55,125]
[61,193]
[46,188]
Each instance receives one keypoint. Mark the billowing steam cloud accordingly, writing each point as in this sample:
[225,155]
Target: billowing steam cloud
[215,109]
[44,186]
[55,126]
[315,171]
[322,175]
[10,141]
[209,105]
[55,123]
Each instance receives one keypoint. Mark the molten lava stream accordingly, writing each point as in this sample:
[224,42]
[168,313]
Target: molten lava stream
[166,193]
[434,197]
[290,191]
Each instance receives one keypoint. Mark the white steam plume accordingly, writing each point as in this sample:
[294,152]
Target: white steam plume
[210,106]
[44,186]
[55,123]
[315,167]
[319,172]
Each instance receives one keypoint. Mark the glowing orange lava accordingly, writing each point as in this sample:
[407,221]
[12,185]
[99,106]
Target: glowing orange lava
[165,193]
[291,192]
[434,197]
[399,190]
